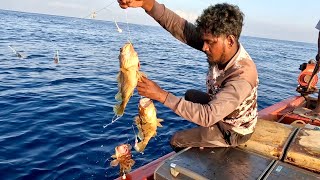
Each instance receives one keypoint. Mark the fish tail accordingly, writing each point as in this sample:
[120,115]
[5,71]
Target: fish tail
[118,109]
[114,163]
[140,146]
[118,96]
[137,121]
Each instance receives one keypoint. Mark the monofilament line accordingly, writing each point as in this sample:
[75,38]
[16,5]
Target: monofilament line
[114,119]
[129,33]
[100,9]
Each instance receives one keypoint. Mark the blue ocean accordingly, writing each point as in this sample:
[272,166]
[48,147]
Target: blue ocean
[52,116]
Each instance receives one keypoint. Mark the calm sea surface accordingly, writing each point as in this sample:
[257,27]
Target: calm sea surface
[52,116]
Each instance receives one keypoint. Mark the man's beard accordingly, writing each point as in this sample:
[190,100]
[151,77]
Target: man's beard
[210,63]
[222,57]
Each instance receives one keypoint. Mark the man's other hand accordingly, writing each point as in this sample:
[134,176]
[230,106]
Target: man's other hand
[150,89]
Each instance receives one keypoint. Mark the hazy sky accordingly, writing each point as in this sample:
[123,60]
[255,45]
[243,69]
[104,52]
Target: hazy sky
[277,19]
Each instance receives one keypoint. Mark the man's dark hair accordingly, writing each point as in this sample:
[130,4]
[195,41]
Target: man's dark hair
[221,19]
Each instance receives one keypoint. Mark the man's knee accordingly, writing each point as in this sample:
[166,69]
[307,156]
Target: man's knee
[174,145]
[189,95]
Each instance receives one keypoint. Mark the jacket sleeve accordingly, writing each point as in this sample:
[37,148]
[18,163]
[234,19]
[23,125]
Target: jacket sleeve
[223,104]
[180,28]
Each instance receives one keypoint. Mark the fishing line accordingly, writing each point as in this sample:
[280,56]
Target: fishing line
[129,33]
[135,134]
[96,12]
[56,57]
[114,119]
[115,22]
[19,55]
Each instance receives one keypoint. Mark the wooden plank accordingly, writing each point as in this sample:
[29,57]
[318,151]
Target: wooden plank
[304,151]
[269,139]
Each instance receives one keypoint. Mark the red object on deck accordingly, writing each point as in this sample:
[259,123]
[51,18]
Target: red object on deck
[271,113]
[305,76]
[283,111]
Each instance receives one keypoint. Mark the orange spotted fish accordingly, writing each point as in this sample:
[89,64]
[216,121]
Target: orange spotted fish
[127,78]
[123,158]
[147,123]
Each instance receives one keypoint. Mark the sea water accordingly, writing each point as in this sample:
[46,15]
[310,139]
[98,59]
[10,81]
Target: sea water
[52,115]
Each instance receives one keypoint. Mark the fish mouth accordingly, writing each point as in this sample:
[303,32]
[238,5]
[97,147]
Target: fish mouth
[145,102]
[127,48]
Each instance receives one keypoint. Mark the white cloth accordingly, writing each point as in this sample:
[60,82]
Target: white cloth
[318,26]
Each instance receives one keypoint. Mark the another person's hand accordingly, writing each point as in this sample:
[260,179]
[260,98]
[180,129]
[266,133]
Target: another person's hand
[151,90]
[145,4]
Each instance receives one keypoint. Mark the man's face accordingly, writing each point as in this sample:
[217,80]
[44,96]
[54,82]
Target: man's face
[215,48]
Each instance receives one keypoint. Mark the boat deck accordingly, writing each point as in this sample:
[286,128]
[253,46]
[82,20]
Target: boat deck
[227,163]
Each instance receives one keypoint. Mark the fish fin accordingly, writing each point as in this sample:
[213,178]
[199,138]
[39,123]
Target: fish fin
[155,134]
[114,163]
[118,77]
[118,96]
[132,162]
[129,146]
[118,109]
[140,136]
[140,74]
[159,120]
[140,146]
[137,121]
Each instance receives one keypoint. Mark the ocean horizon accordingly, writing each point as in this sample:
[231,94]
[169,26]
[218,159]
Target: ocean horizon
[53,115]
[56,15]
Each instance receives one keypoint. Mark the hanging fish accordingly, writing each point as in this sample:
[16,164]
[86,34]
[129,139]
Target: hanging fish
[56,58]
[147,123]
[123,158]
[127,78]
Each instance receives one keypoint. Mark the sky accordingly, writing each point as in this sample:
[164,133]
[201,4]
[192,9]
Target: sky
[293,20]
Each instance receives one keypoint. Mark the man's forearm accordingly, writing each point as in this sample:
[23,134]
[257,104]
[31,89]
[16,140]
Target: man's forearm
[148,5]
[177,26]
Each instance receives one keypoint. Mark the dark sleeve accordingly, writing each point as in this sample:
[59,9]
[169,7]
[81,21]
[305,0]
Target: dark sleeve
[180,28]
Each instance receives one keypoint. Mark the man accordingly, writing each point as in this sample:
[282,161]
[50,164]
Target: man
[318,55]
[227,113]
[316,110]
